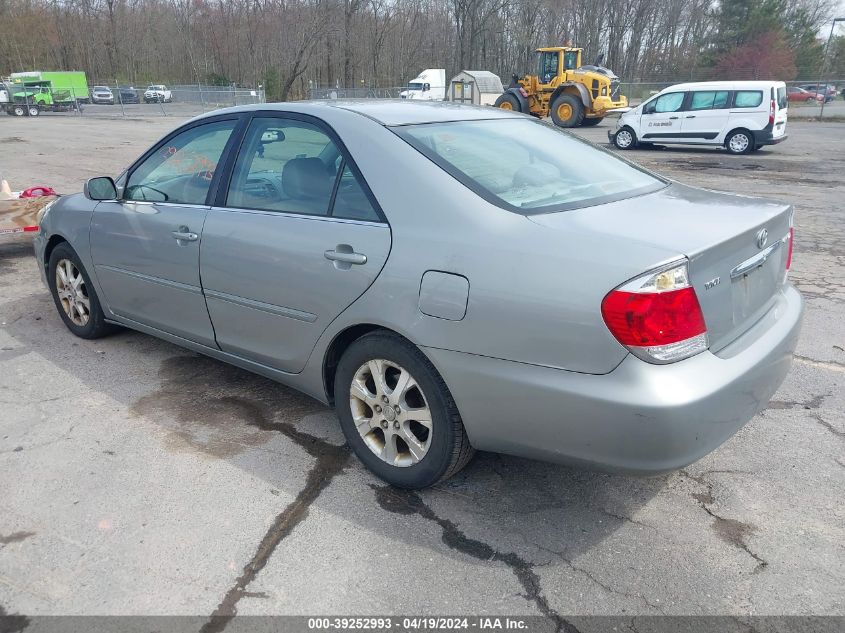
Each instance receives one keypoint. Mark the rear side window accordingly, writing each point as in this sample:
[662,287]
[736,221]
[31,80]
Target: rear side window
[748,98]
[527,167]
[294,166]
[709,100]
[782,101]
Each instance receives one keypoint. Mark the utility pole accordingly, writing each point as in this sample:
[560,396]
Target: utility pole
[824,63]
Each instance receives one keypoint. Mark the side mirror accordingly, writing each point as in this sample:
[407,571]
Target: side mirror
[100,188]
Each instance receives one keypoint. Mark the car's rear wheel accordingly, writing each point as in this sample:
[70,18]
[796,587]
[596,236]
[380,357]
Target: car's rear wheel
[739,142]
[508,101]
[625,138]
[397,413]
[74,296]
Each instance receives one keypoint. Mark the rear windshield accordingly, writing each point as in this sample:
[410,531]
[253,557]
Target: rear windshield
[527,166]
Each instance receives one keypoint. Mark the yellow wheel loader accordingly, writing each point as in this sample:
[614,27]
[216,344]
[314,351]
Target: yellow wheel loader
[570,93]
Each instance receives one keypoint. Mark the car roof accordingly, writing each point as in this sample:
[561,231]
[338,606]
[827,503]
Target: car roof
[390,112]
[724,85]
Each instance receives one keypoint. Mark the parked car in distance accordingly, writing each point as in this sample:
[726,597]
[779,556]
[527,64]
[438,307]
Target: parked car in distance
[158,93]
[102,95]
[794,93]
[826,90]
[652,320]
[128,95]
[741,116]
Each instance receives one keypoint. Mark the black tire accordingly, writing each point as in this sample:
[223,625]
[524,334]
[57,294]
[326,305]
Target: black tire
[512,103]
[19,110]
[592,122]
[96,326]
[739,142]
[621,141]
[449,449]
[33,111]
[572,105]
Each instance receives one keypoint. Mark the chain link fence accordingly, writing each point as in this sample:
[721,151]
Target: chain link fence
[112,99]
[333,92]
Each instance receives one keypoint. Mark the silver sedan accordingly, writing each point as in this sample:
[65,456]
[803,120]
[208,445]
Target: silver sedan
[450,278]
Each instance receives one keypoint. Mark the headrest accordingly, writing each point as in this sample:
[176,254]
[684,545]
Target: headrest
[306,178]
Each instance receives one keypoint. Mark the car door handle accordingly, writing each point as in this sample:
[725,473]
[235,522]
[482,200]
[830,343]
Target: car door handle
[346,258]
[184,235]
[672,118]
[691,116]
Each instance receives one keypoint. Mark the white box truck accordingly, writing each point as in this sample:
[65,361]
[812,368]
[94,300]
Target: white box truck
[429,85]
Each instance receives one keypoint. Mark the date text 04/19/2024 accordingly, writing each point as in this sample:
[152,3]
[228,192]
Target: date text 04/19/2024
[417,623]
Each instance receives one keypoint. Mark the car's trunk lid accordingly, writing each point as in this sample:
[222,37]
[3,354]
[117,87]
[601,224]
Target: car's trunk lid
[736,279]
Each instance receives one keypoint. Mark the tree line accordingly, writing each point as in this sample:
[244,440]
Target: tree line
[289,45]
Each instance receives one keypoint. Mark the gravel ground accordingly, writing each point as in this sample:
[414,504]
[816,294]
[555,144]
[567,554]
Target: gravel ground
[139,478]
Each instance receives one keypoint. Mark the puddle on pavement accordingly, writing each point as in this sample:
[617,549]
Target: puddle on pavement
[216,409]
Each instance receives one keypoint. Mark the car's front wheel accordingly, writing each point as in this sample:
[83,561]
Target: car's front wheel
[625,138]
[567,111]
[397,413]
[74,296]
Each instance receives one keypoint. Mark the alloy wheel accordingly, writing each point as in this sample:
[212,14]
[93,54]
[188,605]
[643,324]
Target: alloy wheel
[390,412]
[72,292]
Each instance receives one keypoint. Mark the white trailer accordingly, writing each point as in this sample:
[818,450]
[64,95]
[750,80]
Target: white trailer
[429,85]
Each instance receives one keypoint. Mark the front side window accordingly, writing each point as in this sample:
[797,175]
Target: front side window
[670,102]
[709,100]
[748,98]
[526,166]
[293,166]
[181,169]
[570,60]
[548,66]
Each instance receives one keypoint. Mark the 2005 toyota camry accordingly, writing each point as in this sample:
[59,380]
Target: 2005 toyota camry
[450,278]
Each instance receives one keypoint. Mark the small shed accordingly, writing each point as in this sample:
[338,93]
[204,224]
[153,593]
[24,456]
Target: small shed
[479,87]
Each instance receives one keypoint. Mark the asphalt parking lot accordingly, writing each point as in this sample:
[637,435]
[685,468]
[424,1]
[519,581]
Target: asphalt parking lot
[139,478]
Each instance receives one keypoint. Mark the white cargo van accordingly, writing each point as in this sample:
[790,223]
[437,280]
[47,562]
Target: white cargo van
[429,85]
[742,116]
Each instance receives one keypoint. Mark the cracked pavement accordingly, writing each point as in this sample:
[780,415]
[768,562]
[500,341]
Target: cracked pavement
[138,478]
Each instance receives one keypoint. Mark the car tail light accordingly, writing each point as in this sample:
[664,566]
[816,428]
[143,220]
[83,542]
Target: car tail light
[657,316]
[790,243]
[791,240]
[772,112]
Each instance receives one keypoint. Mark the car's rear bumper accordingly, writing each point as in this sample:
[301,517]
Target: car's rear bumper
[640,417]
[764,137]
